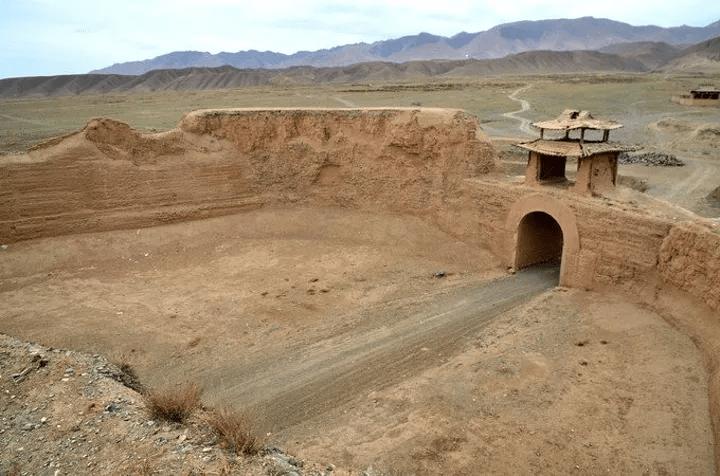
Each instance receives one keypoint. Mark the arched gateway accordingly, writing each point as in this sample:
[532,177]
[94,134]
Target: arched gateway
[539,229]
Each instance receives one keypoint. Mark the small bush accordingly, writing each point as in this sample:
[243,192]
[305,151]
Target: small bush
[125,372]
[235,430]
[172,404]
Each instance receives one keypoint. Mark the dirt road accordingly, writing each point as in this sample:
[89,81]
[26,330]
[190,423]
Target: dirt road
[524,106]
[687,187]
[422,332]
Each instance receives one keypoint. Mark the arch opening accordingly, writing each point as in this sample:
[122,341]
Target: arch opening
[539,240]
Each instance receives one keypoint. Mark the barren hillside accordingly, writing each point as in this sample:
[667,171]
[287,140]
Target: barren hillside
[229,77]
[651,54]
[703,57]
[585,33]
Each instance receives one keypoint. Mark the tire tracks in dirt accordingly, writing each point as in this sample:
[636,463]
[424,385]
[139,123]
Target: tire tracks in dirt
[421,333]
[688,190]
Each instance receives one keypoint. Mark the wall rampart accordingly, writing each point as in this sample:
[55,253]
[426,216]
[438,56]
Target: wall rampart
[616,245]
[428,162]
[431,163]
[109,176]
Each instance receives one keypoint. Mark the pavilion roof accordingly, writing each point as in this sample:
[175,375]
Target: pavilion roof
[573,148]
[572,119]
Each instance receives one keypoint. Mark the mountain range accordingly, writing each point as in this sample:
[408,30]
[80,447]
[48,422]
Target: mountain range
[585,33]
[619,56]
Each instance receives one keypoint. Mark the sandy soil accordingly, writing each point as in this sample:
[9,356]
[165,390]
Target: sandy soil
[569,381]
[363,343]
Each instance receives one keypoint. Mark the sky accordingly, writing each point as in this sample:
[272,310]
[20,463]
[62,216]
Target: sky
[51,37]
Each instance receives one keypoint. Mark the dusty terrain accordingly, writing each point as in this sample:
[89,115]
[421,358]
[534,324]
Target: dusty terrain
[362,341]
[569,381]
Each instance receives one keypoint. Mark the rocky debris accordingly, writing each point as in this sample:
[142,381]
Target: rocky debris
[36,363]
[708,132]
[63,412]
[655,159]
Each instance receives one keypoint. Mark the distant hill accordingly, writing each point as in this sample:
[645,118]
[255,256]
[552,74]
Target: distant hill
[628,57]
[652,54]
[703,58]
[230,77]
[586,33]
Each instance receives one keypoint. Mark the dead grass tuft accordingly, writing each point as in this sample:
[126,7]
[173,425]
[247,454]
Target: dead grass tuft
[126,375]
[235,430]
[174,405]
[141,468]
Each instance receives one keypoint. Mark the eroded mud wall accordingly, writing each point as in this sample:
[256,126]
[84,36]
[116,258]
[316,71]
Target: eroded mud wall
[428,162]
[689,259]
[619,245]
[109,176]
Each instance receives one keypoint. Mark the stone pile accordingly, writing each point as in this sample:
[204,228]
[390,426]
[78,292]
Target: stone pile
[656,159]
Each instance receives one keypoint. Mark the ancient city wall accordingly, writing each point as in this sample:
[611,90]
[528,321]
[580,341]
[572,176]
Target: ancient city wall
[109,176]
[616,245]
[689,259]
[434,163]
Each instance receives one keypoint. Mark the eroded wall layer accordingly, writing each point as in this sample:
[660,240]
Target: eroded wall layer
[689,259]
[109,176]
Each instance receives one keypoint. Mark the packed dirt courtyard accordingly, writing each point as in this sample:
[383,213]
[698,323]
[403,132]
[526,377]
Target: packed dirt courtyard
[569,381]
[352,291]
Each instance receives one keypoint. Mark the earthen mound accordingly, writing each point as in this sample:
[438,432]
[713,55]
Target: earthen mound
[707,132]
[671,125]
[69,412]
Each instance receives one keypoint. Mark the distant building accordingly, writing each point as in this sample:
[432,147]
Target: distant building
[704,95]
[597,158]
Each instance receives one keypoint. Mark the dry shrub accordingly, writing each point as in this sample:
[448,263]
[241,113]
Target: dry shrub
[126,375]
[140,468]
[14,470]
[175,405]
[236,431]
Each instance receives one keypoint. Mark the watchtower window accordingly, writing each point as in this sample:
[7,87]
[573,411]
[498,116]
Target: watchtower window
[551,168]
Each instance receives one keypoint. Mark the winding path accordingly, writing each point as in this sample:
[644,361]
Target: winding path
[524,106]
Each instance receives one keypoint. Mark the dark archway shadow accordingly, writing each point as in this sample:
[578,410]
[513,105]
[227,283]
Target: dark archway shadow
[541,215]
[539,242]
